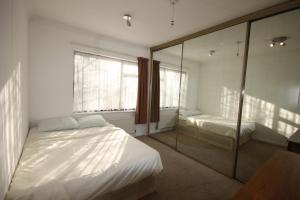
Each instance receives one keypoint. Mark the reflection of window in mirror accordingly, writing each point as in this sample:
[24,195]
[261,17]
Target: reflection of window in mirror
[169,87]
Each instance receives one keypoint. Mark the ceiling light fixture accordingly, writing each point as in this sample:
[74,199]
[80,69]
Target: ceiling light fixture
[278,40]
[211,52]
[173,2]
[282,43]
[127,18]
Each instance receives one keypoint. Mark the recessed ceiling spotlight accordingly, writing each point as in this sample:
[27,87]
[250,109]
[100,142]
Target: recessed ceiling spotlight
[282,43]
[127,18]
[211,52]
[278,40]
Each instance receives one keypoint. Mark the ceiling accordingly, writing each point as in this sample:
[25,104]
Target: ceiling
[151,19]
[223,42]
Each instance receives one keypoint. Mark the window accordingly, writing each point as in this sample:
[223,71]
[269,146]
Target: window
[169,87]
[104,84]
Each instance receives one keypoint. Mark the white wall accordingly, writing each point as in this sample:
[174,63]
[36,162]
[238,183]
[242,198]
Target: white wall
[13,86]
[219,85]
[193,70]
[272,94]
[51,70]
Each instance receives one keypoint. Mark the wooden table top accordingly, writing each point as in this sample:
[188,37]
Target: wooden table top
[277,179]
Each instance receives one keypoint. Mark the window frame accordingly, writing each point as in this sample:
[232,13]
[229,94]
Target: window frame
[122,61]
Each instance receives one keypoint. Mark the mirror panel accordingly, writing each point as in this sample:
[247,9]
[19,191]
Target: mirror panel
[272,90]
[169,74]
[211,78]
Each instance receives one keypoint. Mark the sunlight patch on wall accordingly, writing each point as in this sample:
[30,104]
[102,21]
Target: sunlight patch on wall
[285,129]
[254,109]
[266,113]
[251,105]
[290,116]
[258,110]
[283,121]
[10,123]
[229,103]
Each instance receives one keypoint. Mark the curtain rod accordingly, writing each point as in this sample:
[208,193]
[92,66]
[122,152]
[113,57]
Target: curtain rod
[173,65]
[104,56]
[103,52]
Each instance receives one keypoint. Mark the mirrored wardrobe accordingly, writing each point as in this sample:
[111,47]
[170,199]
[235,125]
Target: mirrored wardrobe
[230,98]
[209,102]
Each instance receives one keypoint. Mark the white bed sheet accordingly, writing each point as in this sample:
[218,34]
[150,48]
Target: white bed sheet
[218,125]
[81,164]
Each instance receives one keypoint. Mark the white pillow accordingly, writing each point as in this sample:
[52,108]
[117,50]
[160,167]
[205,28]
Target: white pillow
[91,121]
[187,113]
[57,124]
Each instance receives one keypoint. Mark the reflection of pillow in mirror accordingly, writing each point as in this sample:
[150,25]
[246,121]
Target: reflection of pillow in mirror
[57,124]
[189,112]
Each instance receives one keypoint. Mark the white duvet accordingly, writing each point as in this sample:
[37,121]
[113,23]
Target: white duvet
[81,164]
[218,125]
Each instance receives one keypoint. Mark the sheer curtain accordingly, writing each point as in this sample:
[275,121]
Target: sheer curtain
[169,87]
[102,83]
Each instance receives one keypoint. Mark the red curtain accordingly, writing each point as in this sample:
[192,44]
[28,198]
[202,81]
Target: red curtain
[142,95]
[155,99]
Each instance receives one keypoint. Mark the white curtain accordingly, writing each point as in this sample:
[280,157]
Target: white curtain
[169,87]
[102,83]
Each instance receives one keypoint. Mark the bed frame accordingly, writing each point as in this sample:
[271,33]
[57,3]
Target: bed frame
[133,191]
[212,138]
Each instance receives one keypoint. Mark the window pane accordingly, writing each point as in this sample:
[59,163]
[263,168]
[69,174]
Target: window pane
[130,69]
[129,92]
[109,84]
[169,87]
[103,84]
[184,84]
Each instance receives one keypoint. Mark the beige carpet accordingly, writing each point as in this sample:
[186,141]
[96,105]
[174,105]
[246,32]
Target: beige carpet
[184,178]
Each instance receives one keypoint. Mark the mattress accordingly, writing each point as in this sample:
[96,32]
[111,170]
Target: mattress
[81,164]
[217,125]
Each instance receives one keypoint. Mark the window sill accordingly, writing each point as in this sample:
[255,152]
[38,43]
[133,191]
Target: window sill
[168,108]
[116,111]
[104,112]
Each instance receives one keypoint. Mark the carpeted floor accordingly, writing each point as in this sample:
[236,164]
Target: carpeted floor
[184,178]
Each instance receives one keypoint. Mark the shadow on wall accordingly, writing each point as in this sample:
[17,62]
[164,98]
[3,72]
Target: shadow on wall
[10,126]
[268,116]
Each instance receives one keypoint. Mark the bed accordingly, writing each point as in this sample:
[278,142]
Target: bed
[91,163]
[215,130]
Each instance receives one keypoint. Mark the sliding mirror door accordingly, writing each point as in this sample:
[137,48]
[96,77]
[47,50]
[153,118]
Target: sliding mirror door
[211,78]
[272,89]
[165,94]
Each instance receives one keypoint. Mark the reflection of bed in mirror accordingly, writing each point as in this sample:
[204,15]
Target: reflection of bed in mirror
[214,130]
